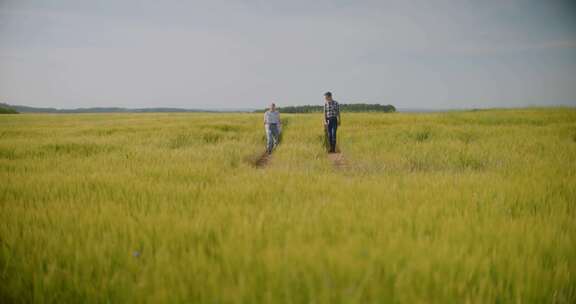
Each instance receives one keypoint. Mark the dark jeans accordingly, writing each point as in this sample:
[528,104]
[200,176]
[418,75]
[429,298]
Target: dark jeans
[331,128]
[272,136]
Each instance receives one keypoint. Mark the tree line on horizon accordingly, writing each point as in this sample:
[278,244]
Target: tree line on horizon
[7,110]
[350,107]
[356,107]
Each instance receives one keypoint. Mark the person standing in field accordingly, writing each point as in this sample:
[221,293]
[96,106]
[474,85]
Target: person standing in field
[272,125]
[331,119]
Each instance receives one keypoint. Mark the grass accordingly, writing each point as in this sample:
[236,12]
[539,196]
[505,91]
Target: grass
[456,207]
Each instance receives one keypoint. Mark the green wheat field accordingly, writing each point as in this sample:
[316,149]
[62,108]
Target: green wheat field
[454,207]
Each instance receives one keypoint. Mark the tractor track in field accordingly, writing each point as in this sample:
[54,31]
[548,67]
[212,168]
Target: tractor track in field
[263,160]
[338,160]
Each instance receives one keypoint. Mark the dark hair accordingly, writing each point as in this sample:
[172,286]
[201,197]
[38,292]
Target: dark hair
[328,94]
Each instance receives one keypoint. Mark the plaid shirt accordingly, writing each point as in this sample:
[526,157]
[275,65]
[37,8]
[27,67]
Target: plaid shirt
[331,109]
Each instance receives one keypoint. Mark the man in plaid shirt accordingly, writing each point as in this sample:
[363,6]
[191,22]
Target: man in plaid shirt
[331,119]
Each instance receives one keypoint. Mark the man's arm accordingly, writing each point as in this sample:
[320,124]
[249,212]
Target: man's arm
[279,123]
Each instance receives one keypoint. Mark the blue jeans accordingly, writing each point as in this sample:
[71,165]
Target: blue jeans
[272,136]
[331,128]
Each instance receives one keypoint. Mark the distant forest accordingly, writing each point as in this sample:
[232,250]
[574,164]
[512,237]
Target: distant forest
[352,107]
[356,107]
[7,110]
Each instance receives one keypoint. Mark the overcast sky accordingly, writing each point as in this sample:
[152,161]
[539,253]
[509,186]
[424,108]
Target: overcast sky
[244,54]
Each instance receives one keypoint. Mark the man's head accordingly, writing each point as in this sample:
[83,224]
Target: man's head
[328,96]
[272,107]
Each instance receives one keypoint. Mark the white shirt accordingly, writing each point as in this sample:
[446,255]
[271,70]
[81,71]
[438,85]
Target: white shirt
[272,117]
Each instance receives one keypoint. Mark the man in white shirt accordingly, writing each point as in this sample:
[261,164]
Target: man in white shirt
[273,125]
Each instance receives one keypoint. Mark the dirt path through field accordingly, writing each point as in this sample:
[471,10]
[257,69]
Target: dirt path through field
[262,161]
[338,160]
